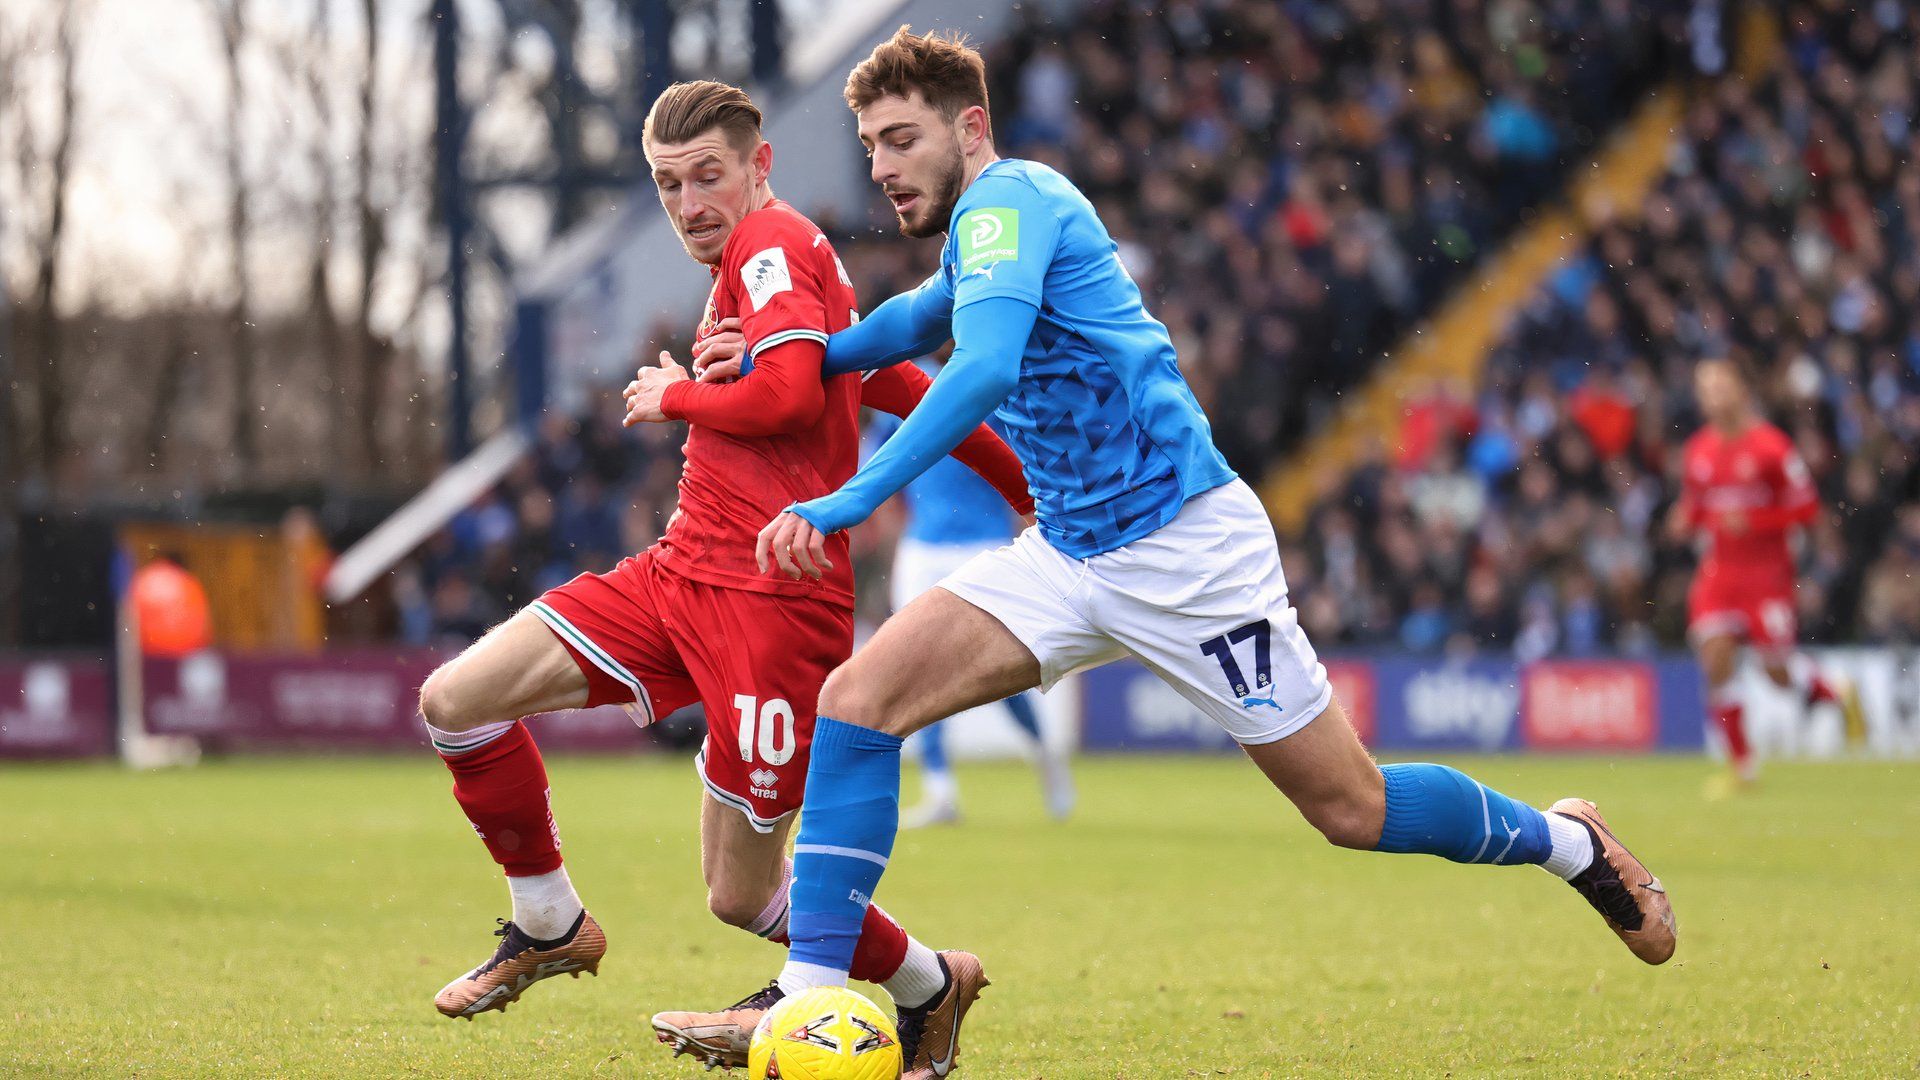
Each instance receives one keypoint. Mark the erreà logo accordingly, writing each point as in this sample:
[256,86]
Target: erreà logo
[987,237]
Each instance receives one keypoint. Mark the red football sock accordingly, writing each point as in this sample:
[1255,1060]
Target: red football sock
[503,788]
[1731,718]
[880,952]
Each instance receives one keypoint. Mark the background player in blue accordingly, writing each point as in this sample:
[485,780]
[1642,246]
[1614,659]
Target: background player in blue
[1147,544]
[952,516]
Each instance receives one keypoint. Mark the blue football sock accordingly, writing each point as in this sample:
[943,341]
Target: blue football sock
[846,836]
[1434,810]
[1021,706]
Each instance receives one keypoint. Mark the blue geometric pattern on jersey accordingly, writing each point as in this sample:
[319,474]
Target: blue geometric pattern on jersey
[1113,441]
[1104,454]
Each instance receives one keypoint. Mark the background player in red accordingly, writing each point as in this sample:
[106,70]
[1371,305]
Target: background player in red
[1744,490]
[691,618]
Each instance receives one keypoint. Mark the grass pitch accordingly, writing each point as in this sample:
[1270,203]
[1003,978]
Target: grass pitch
[295,917]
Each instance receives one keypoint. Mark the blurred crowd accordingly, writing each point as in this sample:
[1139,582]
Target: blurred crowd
[1294,185]
[1786,233]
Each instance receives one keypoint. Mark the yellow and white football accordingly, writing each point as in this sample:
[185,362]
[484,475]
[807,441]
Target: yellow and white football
[827,1033]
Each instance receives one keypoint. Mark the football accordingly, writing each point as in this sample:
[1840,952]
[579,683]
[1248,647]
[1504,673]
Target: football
[827,1033]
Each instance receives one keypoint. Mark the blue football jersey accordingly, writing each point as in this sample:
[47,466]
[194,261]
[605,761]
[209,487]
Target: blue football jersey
[1113,441]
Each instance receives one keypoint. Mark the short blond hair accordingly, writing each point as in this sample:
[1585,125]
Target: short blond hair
[685,111]
[941,67]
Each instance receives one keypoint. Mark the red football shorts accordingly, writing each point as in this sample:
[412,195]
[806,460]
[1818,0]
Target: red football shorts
[644,634]
[1759,609]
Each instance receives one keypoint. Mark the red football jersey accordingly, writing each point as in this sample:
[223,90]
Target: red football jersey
[781,278]
[1755,477]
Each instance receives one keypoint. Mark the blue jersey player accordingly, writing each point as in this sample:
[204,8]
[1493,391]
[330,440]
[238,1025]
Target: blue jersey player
[1146,545]
[952,516]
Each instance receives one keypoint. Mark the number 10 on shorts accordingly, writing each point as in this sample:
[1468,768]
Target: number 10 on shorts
[773,720]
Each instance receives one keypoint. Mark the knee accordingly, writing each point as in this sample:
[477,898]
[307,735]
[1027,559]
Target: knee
[440,703]
[850,699]
[1350,817]
[733,905]
[1716,662]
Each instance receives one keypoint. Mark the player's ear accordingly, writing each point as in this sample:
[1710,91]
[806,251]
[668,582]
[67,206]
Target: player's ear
[971,127]
[762,162]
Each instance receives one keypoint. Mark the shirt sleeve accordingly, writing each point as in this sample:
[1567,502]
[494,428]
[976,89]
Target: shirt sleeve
[899,389]
[989,341]
[1005,238]
[781,396]
[906,326]
[781,295]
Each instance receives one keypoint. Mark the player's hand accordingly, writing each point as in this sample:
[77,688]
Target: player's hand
[792,542]
[649,386]
[1734,521]
[718,357]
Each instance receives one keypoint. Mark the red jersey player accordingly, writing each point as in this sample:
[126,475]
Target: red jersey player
[1743,491]
[690,619]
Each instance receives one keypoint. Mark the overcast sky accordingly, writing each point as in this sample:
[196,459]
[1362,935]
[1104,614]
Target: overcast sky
[148,192]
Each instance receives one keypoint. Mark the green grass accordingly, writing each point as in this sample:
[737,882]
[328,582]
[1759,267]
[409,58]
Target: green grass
[295,917]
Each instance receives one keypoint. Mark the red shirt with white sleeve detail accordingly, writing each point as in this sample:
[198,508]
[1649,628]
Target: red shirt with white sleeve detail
[1746,494]
[783,435]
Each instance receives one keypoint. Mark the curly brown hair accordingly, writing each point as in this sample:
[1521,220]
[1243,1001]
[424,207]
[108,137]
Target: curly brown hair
[941,67]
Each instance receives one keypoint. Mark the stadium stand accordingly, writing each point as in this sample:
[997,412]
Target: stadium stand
[1783,233]
[1295,185]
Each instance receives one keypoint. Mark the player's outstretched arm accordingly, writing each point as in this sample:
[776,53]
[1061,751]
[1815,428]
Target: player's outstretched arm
[899,390]
[909,325]
[990,338]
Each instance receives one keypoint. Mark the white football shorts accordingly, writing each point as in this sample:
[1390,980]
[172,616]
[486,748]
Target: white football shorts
[1202,602]
[919,566]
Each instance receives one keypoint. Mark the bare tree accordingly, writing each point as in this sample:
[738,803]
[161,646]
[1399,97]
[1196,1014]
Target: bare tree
[230,19]
[45,345]
[10,470]
[370,350]
[318,53]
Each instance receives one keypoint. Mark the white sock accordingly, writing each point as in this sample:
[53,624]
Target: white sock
[1572,846]
[772,920]
[455,743]
[939,788]
[544,905]
[797,978]
[918,979]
